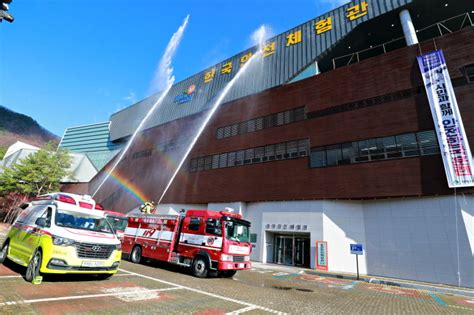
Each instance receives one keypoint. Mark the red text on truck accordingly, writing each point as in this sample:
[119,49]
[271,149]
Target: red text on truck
[204,240]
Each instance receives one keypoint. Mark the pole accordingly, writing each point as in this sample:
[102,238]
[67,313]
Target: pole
[357,264]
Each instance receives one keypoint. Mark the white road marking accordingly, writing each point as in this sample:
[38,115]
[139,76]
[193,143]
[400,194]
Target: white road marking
[77,297]
[205,293]
[129,294]
[16,276]
[242,310]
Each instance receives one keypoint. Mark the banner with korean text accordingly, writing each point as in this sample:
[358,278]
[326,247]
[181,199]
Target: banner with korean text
[453,143]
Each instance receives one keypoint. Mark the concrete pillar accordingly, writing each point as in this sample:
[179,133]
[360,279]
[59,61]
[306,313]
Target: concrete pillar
[408,28]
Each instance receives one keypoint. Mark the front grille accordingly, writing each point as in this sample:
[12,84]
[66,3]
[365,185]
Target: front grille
[239,258]
[97,251]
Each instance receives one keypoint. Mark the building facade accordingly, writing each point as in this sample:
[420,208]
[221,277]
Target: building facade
[334,145]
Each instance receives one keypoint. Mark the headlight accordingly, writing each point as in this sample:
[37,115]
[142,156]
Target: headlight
[225,257]
[62,241]
[246,258]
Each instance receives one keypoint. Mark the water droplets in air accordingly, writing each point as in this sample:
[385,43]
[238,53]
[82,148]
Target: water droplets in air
[259,36]
[162,81]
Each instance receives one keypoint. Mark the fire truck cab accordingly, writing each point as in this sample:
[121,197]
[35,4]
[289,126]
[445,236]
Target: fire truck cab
[204,240]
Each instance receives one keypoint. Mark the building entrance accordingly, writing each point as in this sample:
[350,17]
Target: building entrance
[292,249]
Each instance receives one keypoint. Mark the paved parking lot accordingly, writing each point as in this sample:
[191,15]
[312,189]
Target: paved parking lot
[158,288]
[163,289]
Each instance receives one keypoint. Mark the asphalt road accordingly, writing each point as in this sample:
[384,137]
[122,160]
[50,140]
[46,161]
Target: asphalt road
[163,289]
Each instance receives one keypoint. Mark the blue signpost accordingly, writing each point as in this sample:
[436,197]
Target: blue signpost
[357,249]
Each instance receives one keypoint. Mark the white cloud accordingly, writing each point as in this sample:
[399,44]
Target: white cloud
[332,3]
[131,97]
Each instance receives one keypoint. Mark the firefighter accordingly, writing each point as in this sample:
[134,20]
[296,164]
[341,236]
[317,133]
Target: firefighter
[148,207]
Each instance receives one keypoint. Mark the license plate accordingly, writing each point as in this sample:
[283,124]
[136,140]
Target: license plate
[92,263]
[241,265]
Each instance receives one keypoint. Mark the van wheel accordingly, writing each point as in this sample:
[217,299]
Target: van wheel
[228,273]
[4,252]
[200,267]
[33,269]
[136,255]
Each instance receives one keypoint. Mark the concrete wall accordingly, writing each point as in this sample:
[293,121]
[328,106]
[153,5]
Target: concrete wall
[418,239]
[343,224]
[423,239]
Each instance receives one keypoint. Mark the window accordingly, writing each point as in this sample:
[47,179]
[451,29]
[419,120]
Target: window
[200,163]
[260,123]
[270,152]
[428,142]
[303,147]
[259,153]
[347,154]
[391,148]
[318,157]
[363,152]
[280,151]
[234,130]
[231,159]
[469,73]
[333,154]
[292,148]
[208,162]
[227,131]
[194,224]
[239,157]
[223,160]
[213,227]
[406,145]
[299,114]
[243,127]
[193,167]
[280,119]
[220,133]
[251,125]
[215,161]
[253,236]
[249,155]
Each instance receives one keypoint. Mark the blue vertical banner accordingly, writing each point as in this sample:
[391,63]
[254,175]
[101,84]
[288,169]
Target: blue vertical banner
[453,143]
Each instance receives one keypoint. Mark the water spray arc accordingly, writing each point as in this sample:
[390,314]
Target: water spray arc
[164,73]
[214,108]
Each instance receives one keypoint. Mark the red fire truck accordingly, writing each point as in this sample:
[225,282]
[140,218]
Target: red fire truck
[205,240]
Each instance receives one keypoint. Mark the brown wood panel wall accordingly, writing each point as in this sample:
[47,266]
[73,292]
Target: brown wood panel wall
[293,179]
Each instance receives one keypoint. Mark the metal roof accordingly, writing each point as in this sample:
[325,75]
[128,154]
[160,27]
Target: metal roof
[280,67]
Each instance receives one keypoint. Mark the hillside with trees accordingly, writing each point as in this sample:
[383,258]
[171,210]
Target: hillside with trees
[18,127]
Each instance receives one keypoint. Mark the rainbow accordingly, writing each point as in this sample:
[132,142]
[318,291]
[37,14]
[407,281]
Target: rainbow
[132,188]
[129,187]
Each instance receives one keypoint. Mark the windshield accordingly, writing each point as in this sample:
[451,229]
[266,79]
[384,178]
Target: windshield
[236,231]
[118,223]
[81,221]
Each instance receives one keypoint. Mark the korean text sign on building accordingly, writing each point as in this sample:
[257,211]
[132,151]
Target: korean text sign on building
[454,146]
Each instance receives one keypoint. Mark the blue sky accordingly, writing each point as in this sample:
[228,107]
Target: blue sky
[69,62]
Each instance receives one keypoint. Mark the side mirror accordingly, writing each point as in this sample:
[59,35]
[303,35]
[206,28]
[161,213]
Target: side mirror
[41,222]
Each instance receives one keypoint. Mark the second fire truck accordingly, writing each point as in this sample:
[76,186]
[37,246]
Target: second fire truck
[204,240]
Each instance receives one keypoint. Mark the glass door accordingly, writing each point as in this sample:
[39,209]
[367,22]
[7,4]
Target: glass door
[302,251]
[284,249]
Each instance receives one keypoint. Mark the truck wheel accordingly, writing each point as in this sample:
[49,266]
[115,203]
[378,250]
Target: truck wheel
[33,269]
[200,267]
[4,252]
[228,273]
[136,255]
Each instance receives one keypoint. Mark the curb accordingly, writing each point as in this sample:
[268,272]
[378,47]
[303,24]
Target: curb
[401,284]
